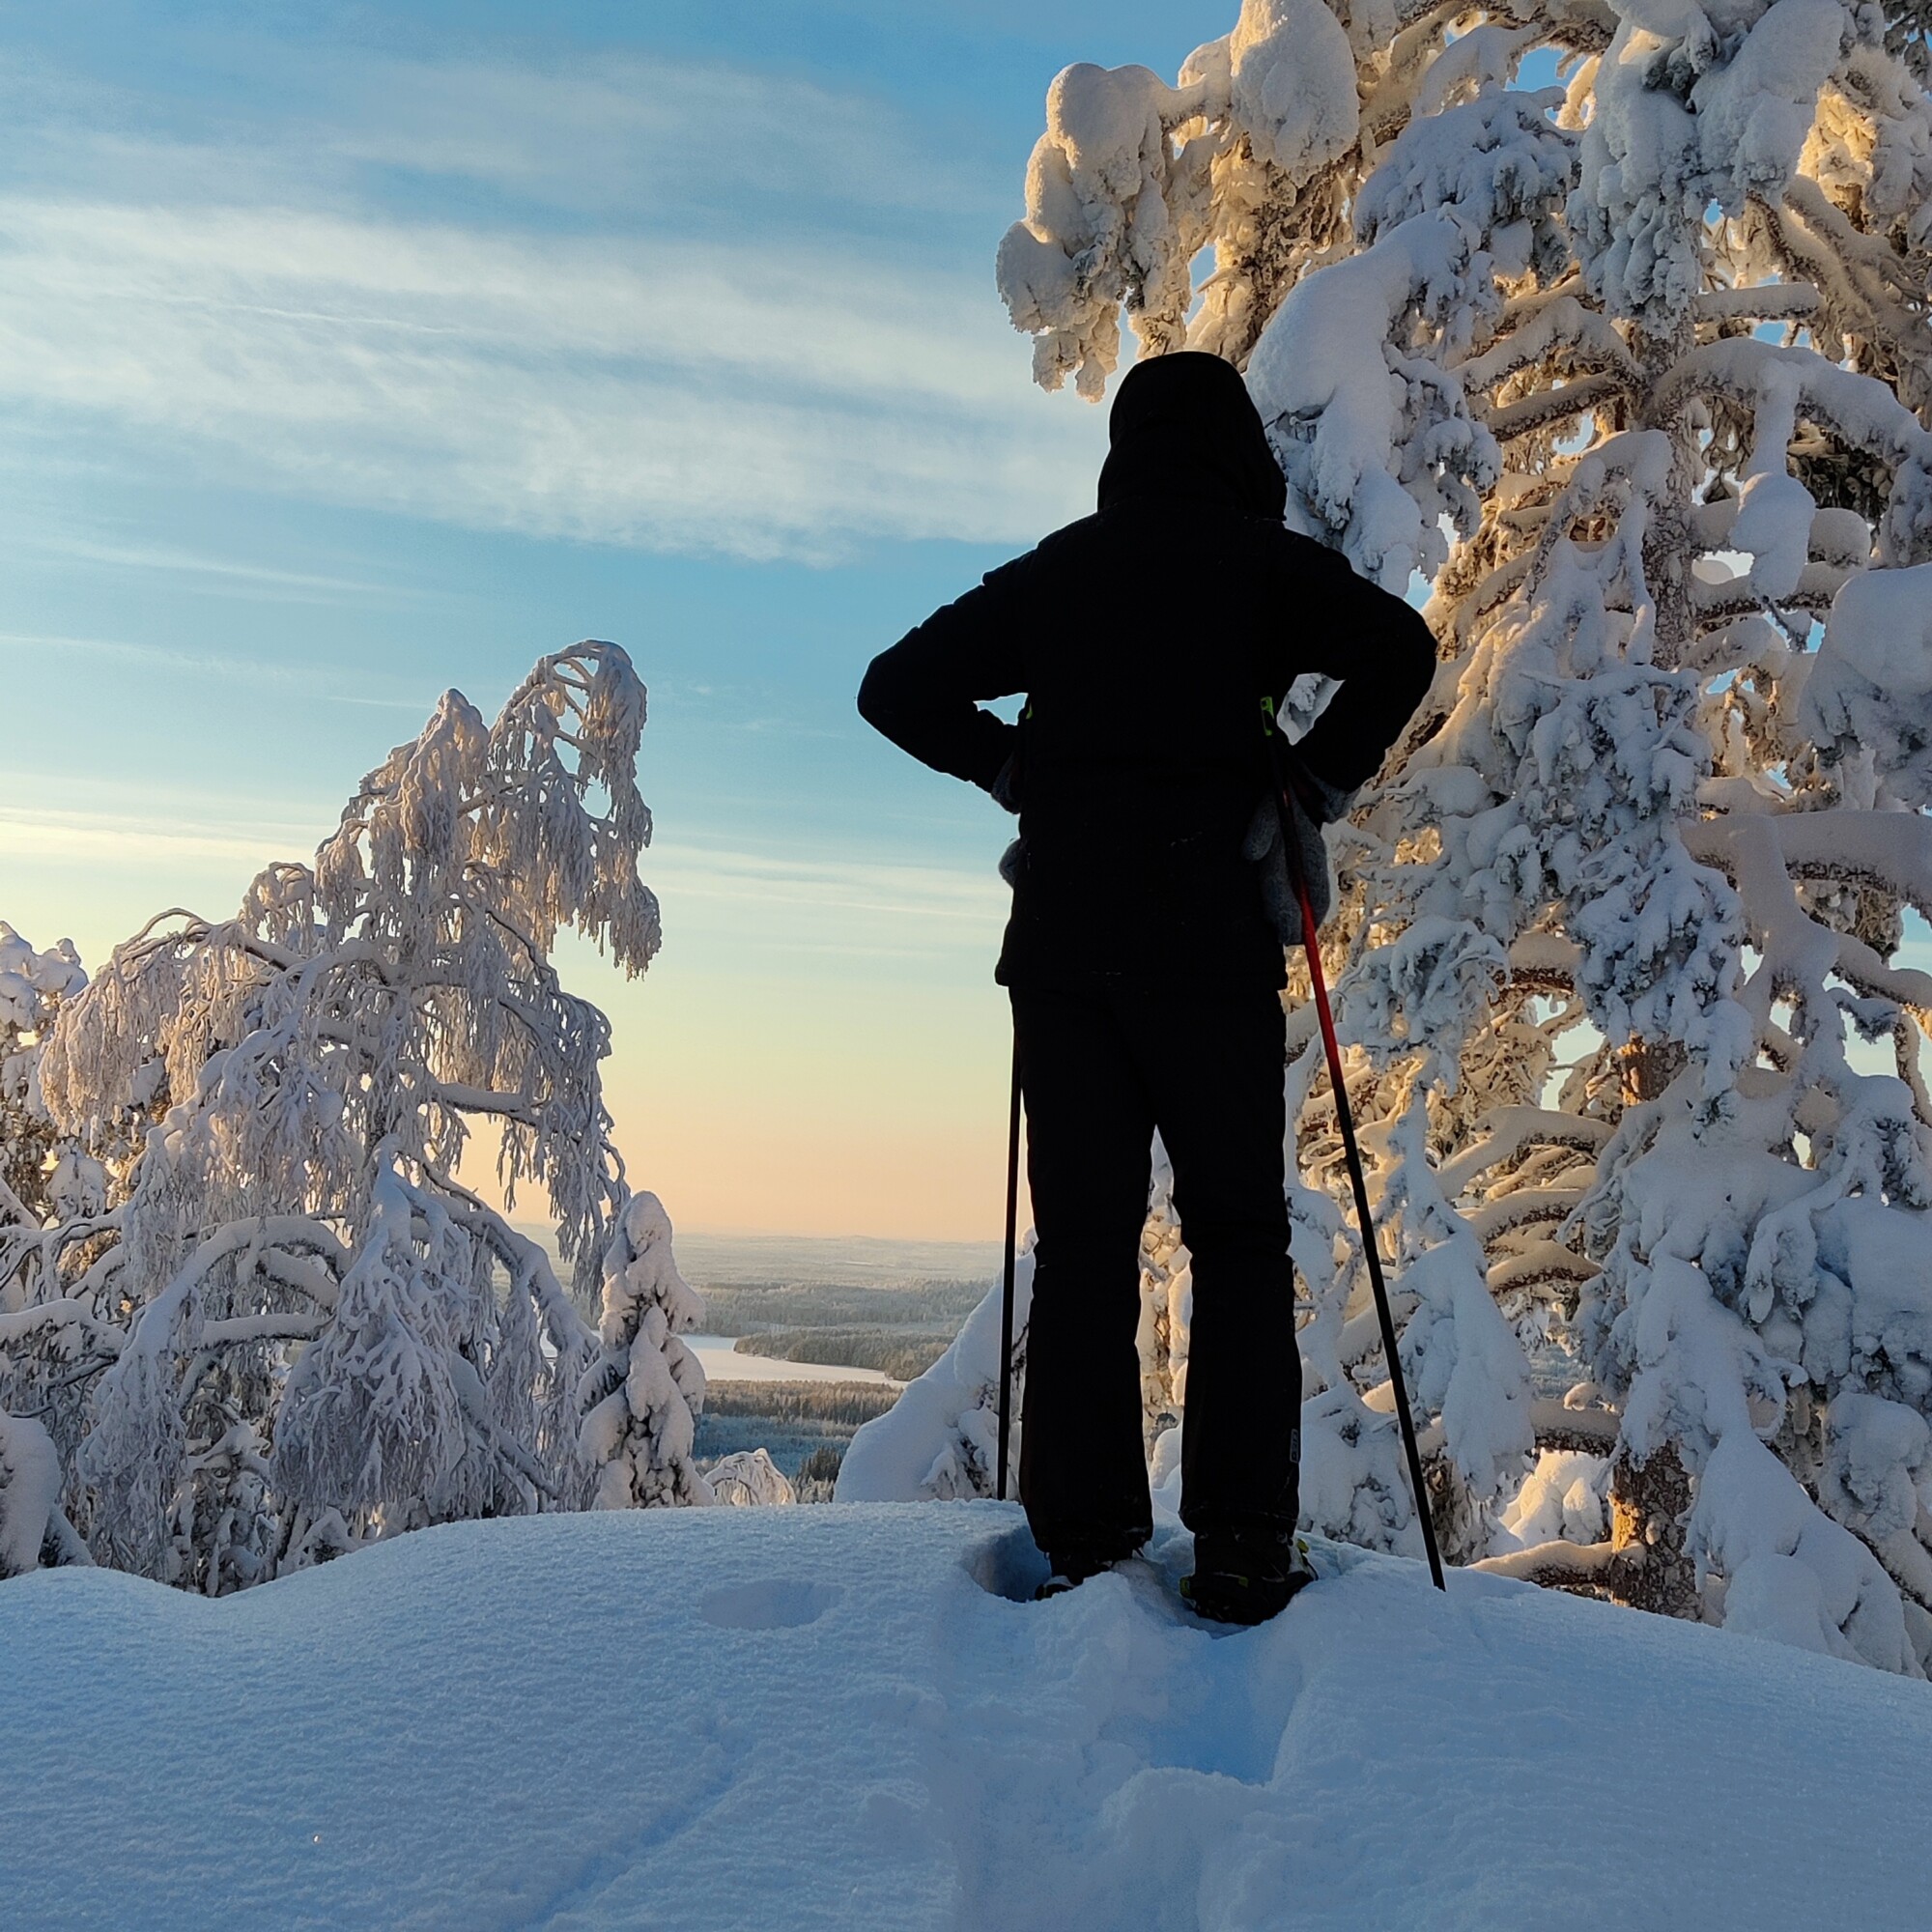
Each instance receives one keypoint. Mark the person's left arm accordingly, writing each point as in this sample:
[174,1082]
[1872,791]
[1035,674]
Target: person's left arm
[1379,648]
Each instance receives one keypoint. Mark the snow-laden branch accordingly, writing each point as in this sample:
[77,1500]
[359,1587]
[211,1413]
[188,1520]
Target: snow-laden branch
[66,1317]
[1507,1133]
[1800,954]
[1555,1566]
[1763,301]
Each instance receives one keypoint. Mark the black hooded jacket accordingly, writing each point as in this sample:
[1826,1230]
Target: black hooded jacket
[1144,636]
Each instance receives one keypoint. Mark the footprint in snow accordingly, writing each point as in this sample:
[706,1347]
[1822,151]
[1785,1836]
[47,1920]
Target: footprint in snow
[777,1605]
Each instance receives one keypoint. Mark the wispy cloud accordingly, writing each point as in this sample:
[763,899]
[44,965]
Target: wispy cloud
[313,681]
[637,130]
[683,378]
[753,899]
[675,393]
[162,657]
[419,707]
[622,136]
[123,837]
[774,877]
[251,579]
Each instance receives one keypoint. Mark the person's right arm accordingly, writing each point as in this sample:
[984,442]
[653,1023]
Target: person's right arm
[923,693]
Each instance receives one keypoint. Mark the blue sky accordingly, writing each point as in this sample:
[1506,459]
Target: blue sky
[347,354]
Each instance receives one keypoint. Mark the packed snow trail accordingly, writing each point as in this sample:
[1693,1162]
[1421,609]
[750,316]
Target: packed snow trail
[733,1718]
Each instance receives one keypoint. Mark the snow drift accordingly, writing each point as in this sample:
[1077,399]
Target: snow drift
[698,1718]
[940,1441]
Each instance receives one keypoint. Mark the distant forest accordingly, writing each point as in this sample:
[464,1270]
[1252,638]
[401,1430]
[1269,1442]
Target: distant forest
[804,1426]
[893,1353]
[898,1331]
[825,1405]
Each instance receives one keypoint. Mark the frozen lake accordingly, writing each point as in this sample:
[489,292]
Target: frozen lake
[721,1363]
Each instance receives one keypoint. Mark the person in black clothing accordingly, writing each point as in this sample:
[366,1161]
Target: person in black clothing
[1143,960]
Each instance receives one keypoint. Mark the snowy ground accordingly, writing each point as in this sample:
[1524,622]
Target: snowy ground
[752,1719]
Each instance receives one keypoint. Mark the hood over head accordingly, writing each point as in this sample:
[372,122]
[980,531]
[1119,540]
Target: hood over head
[1184,426]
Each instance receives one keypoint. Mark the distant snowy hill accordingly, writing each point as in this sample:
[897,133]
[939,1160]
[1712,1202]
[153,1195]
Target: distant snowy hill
[819,1260]
[844,1259]
[756,1719]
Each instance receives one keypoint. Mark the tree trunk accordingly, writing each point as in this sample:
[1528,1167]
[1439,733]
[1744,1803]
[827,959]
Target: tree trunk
[1646,1067]
[1649,1503]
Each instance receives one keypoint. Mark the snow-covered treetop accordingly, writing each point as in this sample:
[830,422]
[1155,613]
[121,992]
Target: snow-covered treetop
[1387,139]
[34,986]
[402,985]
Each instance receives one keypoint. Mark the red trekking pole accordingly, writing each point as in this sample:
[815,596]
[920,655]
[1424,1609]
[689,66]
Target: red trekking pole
[1284,782]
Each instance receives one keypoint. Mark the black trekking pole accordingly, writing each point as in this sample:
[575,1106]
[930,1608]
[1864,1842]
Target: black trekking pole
[1012,1242]
[1284,779]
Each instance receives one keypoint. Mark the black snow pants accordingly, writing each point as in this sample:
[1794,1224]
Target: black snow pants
[1102,1069]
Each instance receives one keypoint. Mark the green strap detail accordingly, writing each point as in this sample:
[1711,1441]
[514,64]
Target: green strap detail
[1267,717]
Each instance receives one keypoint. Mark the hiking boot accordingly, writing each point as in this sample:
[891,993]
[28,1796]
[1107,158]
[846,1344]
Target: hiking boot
[1245,1579]
[1070,1568]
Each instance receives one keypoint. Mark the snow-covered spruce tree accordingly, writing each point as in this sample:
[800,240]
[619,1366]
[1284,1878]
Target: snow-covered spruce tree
[1633,371]
[294,1327]
[53,1221]
[1167,1305]
[640,1399]
[43,1178]
[750,1479]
